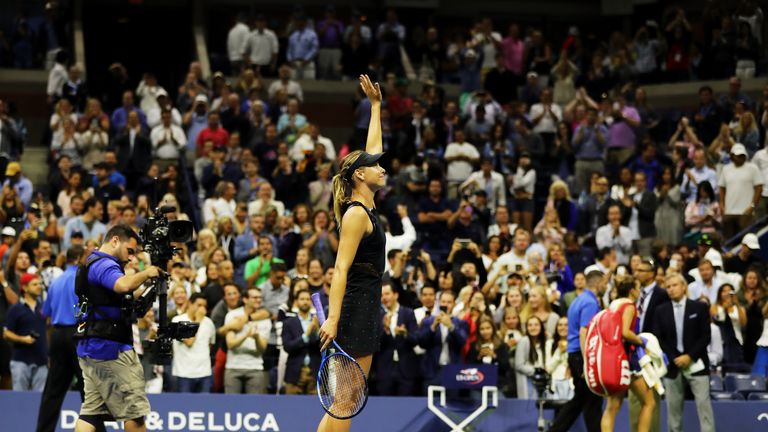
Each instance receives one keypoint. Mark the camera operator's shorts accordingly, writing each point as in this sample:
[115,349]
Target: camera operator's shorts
[114,387]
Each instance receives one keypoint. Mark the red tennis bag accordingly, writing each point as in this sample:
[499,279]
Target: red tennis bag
[606,367]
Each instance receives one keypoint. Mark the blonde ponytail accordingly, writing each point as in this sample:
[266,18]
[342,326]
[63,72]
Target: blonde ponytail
[342,184]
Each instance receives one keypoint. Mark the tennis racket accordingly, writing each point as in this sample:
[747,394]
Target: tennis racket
[341,384]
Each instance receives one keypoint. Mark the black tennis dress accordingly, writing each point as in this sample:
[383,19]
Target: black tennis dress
[360,325]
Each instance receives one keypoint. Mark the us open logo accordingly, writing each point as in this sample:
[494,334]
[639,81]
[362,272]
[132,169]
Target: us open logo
[470,376]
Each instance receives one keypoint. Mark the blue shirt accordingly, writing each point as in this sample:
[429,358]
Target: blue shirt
[23,188]
[22,320]
[197,124]
[579,314]
[120,118]
[104,273]
[302,45]
[116,178]
[61,301]
[589,148]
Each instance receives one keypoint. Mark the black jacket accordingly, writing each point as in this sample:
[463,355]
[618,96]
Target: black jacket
[407,363]
[658,298]
[297,349]
[696,334]
[136,161]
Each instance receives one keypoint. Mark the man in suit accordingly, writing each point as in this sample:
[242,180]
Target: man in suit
[395,363]
[682,327]
[301,342]
[651,297]
[134,150]
[640,210]
[443,337]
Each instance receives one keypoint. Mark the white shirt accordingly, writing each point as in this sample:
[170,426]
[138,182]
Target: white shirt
[760,159]
[402,242]
[258,206]
[548,123]
[247,356]
[213,209]
[262,46]
[305,144]
[739,186]
[291,88]
[493,187]
[57,77]
[698,289]
[525,180]
[512,261]
[169,149]
[194,361]
[495,229]
[237,41]
[458,171]
[148,96]
[392,326]
[154,117]
[622,243]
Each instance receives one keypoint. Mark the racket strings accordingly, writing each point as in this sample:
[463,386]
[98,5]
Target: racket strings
[342,386]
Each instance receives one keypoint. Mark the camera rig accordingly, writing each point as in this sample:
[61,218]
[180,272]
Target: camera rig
[159,236]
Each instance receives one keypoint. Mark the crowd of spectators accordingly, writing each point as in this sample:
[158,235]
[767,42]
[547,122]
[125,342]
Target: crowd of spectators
[718,40]
[496,205]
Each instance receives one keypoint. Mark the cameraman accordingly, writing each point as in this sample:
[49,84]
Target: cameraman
[112,374]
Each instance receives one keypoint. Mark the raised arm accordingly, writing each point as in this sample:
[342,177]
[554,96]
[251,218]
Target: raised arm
[373,145]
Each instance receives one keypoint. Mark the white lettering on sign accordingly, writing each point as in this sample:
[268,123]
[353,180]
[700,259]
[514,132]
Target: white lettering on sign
[191,421]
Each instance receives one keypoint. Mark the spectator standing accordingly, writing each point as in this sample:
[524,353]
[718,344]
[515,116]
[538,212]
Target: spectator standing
[331,34]
[168,139]
[302,49]
[513,49]
[237,42]
[57,77]
[261,47]
[119,119]
[443,337]
[709,116]
[396,360]
[244,370]
[741,186]
[25,328]
[88,224]
[621,134]
[589,148]
[615,235]
[133,150]
[489,181]
[522,187]
[192,356]
[460,157]
[301,342]
[683,330]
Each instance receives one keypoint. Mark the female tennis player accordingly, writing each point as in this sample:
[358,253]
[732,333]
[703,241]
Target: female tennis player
[355,298]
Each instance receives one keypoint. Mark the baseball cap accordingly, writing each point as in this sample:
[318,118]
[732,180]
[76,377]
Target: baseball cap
[8,232]
[13,169]
[592,269]
[470,53]
[201,98]
[750,241]
[532,74]
[161,92]
[705,239]
[738,149]
[27,278]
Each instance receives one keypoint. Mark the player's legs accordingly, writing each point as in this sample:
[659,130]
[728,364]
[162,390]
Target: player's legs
[330,424]
[645,394]
[611,410]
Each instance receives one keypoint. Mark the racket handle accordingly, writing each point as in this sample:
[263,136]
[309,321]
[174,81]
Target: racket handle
[319,307]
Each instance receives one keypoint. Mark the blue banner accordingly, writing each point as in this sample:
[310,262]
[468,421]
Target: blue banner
[225,413]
